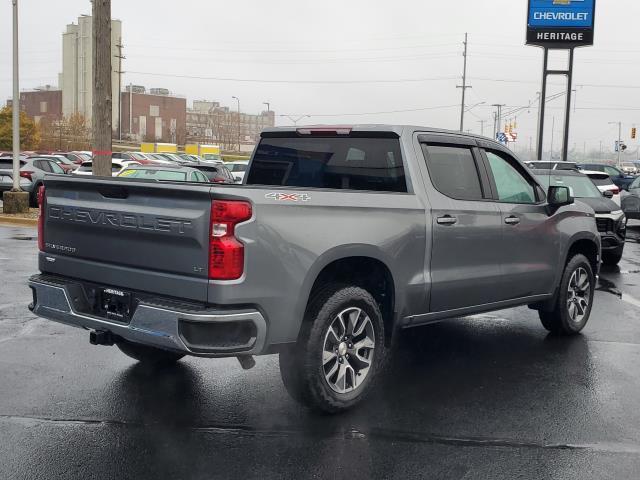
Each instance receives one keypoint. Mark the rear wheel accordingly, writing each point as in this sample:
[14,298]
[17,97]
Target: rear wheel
[341,350]
[148,355]
[613,257]
[575,299]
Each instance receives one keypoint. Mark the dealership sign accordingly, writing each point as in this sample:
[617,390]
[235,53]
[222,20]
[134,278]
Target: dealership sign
[560,23]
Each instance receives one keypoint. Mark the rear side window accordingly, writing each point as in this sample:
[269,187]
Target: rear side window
[453,171]
[329,162]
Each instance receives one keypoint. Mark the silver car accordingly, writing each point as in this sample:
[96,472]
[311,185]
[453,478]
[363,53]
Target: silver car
[32,173]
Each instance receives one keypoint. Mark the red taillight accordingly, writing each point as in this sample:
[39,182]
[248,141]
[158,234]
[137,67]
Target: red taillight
[41,204]
[615,191]
[26,174]
[218,180]
[226,253]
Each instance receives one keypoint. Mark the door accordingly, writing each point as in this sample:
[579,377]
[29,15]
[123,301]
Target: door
[466,227]
[529,248]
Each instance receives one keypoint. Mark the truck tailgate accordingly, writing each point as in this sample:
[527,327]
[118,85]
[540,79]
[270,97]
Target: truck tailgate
[132,234]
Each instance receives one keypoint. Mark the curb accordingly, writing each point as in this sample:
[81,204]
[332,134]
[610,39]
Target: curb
[17,221]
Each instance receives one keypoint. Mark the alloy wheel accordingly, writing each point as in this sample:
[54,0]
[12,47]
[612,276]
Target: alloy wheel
[578,295]
[348,351]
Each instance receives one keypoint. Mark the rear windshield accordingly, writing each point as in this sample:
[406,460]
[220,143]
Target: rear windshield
[239,167]
[340,163]
[155,175]
[566,166]
[85,167]
[601,180]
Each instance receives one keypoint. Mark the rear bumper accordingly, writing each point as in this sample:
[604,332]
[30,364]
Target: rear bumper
[203,333]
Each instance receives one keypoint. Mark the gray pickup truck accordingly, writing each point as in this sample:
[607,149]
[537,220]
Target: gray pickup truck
[338,238]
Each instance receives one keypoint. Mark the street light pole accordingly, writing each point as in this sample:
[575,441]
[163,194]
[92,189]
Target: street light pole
[238,100]
[619,139]
[16,103]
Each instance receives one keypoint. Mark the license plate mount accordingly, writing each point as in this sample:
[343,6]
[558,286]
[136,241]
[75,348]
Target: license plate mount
[115,304]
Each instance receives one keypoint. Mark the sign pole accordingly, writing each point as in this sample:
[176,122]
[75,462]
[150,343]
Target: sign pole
[541,109]
[567,113]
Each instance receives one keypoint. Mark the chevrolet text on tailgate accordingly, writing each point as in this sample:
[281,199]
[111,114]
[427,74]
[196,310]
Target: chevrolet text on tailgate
[338,238]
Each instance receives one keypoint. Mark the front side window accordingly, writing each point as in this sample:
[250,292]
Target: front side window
[55,168]
[341,162]
[453,171]
[511,185]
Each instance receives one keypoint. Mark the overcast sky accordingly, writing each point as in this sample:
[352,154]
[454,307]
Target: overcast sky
[347,44]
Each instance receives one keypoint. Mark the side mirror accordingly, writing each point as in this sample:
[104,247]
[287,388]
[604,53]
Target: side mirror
[608,194]
[559,196]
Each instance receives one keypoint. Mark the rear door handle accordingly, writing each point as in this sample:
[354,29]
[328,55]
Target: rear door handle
[512,220]
[447,220]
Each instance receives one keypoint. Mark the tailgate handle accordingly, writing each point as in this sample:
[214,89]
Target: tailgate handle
[113,192]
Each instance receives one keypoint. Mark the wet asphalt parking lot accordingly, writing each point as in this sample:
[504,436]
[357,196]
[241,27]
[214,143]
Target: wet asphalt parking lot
[487,397]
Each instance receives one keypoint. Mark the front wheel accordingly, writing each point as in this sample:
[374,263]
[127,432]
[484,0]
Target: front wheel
[340,351]
[148,355]
[572,308]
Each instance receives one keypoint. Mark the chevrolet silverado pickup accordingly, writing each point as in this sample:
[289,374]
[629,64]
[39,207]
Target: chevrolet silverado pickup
[338,238]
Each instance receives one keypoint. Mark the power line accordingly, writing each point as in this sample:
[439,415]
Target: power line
[287,81]
[373,113]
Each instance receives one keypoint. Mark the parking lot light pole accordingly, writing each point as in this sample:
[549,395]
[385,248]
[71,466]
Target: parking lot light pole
[16,103]
[15,200]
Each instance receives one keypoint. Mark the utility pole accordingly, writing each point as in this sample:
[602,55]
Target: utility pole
[464,85]
[131,110]
[481,122]
[102,111]
[238,100]
[120,57]
[15,201]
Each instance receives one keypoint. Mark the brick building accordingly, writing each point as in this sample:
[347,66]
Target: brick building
[154,116]
[40,103]
[210,122]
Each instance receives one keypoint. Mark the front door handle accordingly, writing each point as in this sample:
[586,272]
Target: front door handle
[447,220]
[512,220]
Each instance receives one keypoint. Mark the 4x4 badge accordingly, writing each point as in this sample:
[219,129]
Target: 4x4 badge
[288,197]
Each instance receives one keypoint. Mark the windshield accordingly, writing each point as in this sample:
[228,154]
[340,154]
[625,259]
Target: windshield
[581,185]
[154,174]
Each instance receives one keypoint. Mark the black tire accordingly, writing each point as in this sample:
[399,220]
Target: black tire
[301,366]
[559,320]
[33,196]
[613,257]
[148,355]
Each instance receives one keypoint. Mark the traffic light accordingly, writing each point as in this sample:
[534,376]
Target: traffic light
[634,131]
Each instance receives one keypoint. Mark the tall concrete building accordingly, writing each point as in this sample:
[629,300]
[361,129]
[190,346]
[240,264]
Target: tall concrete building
[76,79]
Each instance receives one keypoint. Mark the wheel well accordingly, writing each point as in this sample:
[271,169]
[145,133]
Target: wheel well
[365,272]
[586,248]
